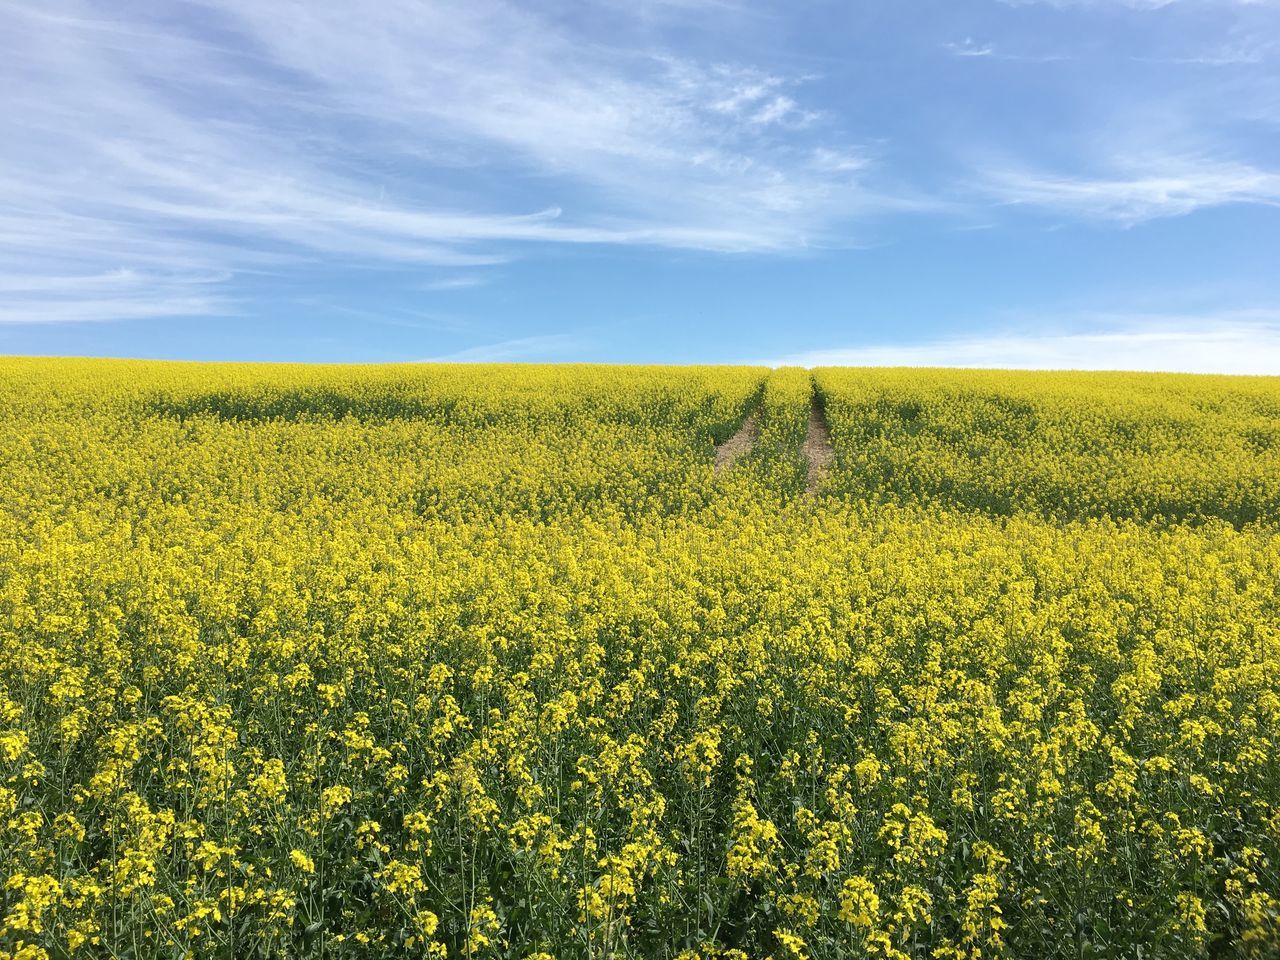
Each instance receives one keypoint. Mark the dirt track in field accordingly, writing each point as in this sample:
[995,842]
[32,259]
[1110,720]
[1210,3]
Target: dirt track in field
[738,445]
[817,447]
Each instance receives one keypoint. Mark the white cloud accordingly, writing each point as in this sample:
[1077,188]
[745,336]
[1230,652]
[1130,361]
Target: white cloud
[1246,342]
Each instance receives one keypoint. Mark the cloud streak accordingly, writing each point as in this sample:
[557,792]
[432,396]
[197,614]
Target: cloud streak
[1137,189]
[969,48]
[1245,342]
[556,346]
[1139,4]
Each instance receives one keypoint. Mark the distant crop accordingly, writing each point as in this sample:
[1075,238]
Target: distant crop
[1068,446]
[491,662]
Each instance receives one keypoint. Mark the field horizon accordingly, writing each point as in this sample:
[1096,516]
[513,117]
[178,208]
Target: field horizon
[411,364]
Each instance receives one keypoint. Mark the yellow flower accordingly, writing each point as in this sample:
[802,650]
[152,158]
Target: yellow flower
[791,943]
[859,903]
[333,799]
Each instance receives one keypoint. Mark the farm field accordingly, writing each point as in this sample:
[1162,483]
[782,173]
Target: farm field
[511,662]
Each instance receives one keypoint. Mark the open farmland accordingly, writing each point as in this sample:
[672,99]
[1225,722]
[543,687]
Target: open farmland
[490,662]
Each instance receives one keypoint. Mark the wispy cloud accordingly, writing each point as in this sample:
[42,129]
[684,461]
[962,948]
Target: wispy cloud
[461,281]
[1228,56]
[34,297]
[989,51]
[1134,188]
[968,47]
[1242,342]
[177,160]
[548,347]
[1138,4]
[239,136]
[85,309]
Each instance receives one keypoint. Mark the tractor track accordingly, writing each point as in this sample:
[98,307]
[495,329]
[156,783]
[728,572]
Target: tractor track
[739,445]
[817,448]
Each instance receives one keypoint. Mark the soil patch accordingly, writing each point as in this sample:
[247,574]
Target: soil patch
[739,444]
[817,446]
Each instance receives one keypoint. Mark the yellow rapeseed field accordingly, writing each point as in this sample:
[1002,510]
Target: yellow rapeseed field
[491,662]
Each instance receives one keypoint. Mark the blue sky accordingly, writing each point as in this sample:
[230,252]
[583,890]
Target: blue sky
[1043,183]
